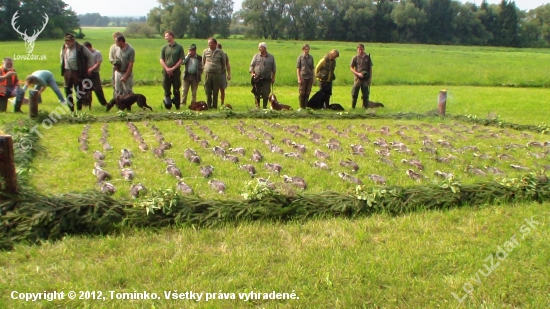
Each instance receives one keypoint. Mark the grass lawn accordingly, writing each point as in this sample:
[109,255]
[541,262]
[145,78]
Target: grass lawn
[411,261]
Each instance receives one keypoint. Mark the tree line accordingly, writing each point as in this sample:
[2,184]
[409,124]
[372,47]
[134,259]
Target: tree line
[405,21]
[30,18]
[96,20]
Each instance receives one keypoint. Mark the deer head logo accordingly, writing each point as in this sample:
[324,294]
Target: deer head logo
[29,40]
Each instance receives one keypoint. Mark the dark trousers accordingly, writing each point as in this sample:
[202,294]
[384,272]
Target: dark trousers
[212,88]
[72,80]
[170,82]
[96,86]
[362,85]
[265,90]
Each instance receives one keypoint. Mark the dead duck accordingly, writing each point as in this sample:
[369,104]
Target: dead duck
[387,162]
[143,147]
[351,164]
[377,179]
[204,144]
[296,181]
[128,174]
[189,153]
[218,151]
[174,171]
[334,147]
[320,154]
[357,149]
[441,174]
[266,182]
[475,170]
[183,187]
[348,177]
[98,156]
[276,149]
[107,188]
[413,162]
[300,147]
[158,152]
[257,156]
[414,175]
[99,164]
[126,154]
[504,156]
[137,190]
[169,161]
[225,144]
[321,165]
[494,170]
[107,147]
[273,167]
[519,167]
[165,145]
[293,155]
[249,168]
[122,163]
[101,175]
[194,159]
[217,185]
[239,150]
[206,171]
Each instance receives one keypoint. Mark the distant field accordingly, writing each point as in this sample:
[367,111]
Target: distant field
[394,64]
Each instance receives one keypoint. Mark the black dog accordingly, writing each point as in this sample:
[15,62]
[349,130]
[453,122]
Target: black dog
[317,101]
[124,102]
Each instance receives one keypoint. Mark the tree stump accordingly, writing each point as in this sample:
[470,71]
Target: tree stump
[7,164]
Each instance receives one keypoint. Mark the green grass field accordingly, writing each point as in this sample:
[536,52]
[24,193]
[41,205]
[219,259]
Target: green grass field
[427,259]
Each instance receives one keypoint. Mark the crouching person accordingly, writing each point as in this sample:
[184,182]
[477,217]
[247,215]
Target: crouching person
[9,86]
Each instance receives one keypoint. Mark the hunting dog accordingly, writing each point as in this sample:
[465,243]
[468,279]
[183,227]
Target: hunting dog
[275,105]
[198,106]
[87,99]
[124,102]
[317,101]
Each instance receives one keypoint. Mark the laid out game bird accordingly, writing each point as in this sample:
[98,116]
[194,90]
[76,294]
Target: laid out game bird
[128,174]
[475,170]
[159,137]
[388,162]
[107,147]
[98,155]
[441,174]
[349,163]
[107,188]
[207,170]
[320,154]
[249,168]
[519,167]
[287,141]
[218,151]
[217,185]
[183,187]
[204,144]
[165,145]
[377,179]
[239,150]
[137,189]
[276,149]
[122,163]
[348,177]
[273,167]
[174,171]
[169,161]
[334,147]
[295,181]
[382,152]
[257,156]
[158,152]
[126,154]
[101,175]
[293,155]
[413,162]
[179,122]
[231,158]
[535,144]
[225,144]
[321,165]
[300,147]
[266,183]
[189,153]
[494,170]
[194,159]
[99,164]
[414,175]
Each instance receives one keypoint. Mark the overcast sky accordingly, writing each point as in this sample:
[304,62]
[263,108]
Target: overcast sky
[132,8]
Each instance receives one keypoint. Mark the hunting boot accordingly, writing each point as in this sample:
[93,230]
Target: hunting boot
[18,102]
[265,103]
[257,102]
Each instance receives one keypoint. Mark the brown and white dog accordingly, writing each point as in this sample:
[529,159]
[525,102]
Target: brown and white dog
[275,105]
[198,106]
[124,102]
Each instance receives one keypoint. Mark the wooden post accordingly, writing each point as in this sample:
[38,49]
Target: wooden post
[33,104]
[442,102]
[7,164]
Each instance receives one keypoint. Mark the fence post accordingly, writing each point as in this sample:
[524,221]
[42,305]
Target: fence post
[7,164]
[442,102]
[33,103]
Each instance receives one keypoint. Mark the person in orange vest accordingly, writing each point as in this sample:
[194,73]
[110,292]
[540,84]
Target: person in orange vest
[9,86]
